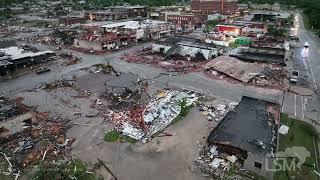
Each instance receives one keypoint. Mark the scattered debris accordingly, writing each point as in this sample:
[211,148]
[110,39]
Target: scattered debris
[283,129]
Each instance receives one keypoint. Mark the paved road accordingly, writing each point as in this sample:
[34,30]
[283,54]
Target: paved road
[194,81]
[307,62]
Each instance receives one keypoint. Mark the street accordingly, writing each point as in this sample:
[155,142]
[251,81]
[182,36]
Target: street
[193,81]
[306,61]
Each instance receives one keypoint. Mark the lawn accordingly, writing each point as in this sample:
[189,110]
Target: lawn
[113,136]
[300,134]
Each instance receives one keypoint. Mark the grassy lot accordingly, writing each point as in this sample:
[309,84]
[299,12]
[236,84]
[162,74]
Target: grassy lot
[113,136]
[300,134]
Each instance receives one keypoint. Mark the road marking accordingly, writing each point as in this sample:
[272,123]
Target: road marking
[302,107]
[314,80]
[295,105]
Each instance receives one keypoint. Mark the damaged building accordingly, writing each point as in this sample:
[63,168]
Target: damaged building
[12,58]
[260,54]
[13,117]
[250,133]
[187,47]
[116,35]
[124,84]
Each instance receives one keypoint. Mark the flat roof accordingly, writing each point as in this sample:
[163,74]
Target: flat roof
[134,24]
[18,53]
[253,122]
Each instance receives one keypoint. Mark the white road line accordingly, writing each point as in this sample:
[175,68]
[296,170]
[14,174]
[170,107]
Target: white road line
[314,80]
[295,105]
[302,106]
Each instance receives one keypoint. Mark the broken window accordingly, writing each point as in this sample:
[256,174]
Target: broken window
[257,165]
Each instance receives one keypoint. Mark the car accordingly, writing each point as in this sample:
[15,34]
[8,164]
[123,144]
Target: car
[42,70]
[306,44]
[294,76]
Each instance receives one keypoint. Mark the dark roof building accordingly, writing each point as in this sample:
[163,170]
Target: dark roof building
[250,133]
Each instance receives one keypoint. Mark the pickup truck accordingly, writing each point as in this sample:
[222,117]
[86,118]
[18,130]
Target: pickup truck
[294,76]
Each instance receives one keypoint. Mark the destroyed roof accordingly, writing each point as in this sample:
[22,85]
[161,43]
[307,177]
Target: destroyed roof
[258,57]
[234,68]
[248,127]
[126,80]
[4,62]
[187,41]
[177,39]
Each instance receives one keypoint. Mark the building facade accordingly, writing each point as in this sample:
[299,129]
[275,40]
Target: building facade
[225,7]
[106,15]
[185,21]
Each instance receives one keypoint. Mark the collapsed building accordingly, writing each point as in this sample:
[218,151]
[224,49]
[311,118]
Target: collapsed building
[143,121]
[187,47]
[124,84]
[29,137]
[12,58]
[250,133]
[234,68]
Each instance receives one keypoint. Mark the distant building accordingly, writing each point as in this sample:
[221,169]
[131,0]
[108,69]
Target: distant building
[106,15]
[214,6]
[71,20]
[132,11]
[185,21]
[229,29]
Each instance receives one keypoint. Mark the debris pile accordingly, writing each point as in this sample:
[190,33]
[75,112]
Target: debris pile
[69,59]
[215,163]
[40,139]
[144,121]
[270,77]
[57,84]
[218,112]
[174,63]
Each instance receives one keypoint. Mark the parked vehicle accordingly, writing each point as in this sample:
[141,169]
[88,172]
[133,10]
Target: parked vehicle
[294,76]
[42,70]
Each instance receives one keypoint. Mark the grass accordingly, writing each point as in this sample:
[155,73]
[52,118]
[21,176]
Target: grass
[77,169]
[306,22]
[184,111]
[300,134]
[233,45]
[113,136]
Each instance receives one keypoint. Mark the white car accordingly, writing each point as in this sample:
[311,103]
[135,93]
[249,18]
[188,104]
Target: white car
[306,44]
